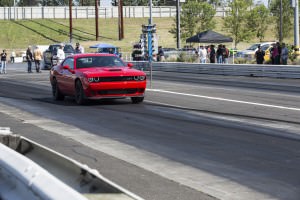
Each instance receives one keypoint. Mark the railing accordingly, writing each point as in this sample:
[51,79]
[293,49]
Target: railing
[276,71]
[22,177]
[86,12]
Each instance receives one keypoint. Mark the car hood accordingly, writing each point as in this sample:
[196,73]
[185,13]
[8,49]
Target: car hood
[111,71]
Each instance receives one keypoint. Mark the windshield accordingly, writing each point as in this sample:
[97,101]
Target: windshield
[99,61]
[265,47]
[108,50]
[253,47]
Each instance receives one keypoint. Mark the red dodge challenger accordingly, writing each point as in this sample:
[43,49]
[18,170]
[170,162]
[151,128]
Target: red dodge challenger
[97,76]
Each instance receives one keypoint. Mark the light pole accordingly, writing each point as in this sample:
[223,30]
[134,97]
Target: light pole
[14,9]
[280,24]
[70,21]
[296,24]
[178,23]
[150,12]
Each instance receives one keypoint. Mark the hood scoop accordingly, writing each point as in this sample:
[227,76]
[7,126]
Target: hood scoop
[115,70]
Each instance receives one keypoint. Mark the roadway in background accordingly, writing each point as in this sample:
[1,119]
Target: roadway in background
[228,137]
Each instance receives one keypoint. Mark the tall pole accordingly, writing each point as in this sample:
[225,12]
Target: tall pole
[14,9]
[121,21]
[150,12]
[296,26]
[178,23]
[149,42]
[280,24]
[70,20]
[97,19]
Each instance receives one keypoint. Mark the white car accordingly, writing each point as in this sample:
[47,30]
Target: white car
[250,52]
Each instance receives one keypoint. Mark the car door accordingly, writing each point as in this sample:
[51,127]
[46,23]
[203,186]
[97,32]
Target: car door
[68,76]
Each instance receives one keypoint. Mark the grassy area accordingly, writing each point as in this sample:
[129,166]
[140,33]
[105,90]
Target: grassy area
[21,33]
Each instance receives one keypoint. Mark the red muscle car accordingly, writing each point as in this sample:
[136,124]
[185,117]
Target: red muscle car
[97,76]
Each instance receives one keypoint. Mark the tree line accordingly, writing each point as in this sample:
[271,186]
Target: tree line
[243,20]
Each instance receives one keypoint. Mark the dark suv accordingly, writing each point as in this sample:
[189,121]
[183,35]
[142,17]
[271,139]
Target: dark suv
[51,52]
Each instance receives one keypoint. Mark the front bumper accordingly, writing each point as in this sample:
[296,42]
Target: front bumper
[115,89]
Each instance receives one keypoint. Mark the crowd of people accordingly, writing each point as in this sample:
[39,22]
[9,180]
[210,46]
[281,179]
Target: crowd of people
[35,56]
[210,54]
[278,54]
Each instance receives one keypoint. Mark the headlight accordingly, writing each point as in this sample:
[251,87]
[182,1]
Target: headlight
[139,78]
[94,80]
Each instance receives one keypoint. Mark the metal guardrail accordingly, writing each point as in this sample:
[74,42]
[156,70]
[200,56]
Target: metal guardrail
[29,170]
[275,71]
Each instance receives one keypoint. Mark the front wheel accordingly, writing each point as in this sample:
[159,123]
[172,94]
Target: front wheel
[57,95]
[79,94]
[136,100]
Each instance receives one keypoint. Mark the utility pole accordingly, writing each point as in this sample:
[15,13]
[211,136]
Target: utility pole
[296,25]
[280,24]
[178,23]
[150,12]
[70,20]
[97,19]
[121,21]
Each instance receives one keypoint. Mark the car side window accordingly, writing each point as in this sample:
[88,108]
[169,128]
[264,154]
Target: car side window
[69,62]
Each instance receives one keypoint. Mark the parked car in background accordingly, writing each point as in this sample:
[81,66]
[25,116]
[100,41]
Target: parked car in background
[50,54]
[97,76]
[107,48]
[249,53]
[170,52]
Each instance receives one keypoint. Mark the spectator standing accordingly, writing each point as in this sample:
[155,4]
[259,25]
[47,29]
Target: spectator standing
[60,54]
[212,54]
[276,55]
[225,54]
[279,52]
[29,59]
[284,54]
[38,56]
[110,51]
[3,62]
[202,54]
[161,54]
[259,55]
[12,56]
[79,48]
[219,54]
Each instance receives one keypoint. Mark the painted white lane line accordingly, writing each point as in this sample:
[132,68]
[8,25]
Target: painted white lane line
[223,99]
[221,187]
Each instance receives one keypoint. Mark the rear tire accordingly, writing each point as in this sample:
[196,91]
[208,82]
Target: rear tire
[136,100]
[79,94]
[57,95]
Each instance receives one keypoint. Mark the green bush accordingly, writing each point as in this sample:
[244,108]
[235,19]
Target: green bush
[183,57]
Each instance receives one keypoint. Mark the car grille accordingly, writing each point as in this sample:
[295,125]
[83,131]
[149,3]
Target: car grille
[115,79]
[119,91]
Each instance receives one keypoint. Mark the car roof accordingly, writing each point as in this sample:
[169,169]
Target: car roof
[92,54]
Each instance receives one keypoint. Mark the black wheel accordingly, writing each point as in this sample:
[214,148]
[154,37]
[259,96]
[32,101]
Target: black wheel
[79,94]
[136,100]
[57,95]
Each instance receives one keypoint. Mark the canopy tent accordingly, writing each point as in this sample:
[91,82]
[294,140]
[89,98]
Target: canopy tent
[209,37]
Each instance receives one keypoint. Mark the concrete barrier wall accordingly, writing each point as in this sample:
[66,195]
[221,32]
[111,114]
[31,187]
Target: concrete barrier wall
[29,170]
[276,71]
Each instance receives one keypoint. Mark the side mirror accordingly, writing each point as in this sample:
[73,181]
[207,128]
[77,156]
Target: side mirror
[67,67]
[130,65]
